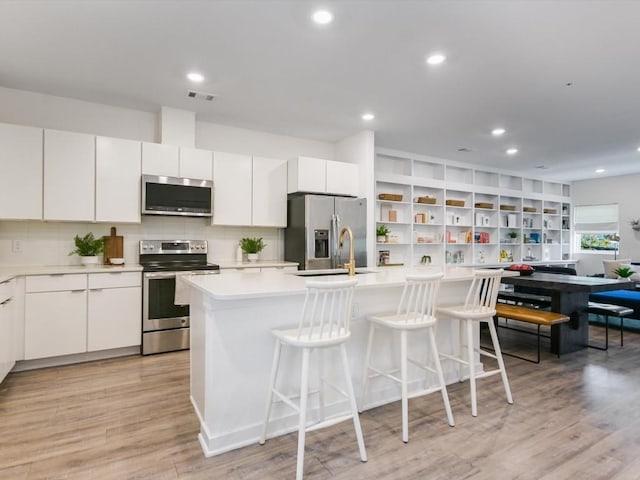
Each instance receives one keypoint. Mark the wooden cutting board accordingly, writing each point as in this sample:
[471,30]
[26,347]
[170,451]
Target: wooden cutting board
[113,247]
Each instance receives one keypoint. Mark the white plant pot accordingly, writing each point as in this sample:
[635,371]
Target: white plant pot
[381,239]
[252,257]
[89,260]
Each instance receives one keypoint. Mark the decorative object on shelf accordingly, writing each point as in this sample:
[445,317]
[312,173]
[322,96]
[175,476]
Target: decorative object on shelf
[88,248]
[429,200]
[635,224]
[252,247]
[529,209]
[392,197]
[425,260]
[551,211]
[381,233]
[484,205]
[383,257]
[455,203]
[624,272]
[393,215]
[513,235]
[511,208]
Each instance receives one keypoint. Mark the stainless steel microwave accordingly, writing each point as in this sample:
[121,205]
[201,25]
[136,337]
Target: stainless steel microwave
[176,196]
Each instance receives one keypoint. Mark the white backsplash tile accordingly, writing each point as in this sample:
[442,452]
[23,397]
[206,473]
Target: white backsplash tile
[49,243]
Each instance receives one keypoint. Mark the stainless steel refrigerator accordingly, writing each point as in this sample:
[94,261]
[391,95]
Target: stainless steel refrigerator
[314,223]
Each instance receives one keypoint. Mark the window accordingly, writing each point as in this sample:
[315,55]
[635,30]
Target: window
[596,228]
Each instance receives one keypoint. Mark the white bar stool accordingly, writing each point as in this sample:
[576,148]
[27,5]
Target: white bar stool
[479,306]
[325,321]
[416,312]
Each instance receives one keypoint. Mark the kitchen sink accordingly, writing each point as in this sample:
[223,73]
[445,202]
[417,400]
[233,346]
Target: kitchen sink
[332,271]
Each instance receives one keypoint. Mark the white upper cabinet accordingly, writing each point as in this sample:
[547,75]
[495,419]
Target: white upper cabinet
[69,176]
[269,192]
[160,159]
[315,175]
[232,189]
[118,168]
[307,174]
[342,178]
[21,178]
[195,163]
[173,161]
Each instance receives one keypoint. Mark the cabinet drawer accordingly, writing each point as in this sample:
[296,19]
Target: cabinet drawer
[55,283]
[6,290]
[115,279]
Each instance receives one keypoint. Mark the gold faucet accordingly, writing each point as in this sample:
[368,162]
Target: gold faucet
[351,264]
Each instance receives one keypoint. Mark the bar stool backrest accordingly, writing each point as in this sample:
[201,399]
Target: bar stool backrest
[326,313]
[483,292]
[419,298]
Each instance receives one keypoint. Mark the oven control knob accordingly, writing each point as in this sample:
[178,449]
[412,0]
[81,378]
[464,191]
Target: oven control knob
[152,247]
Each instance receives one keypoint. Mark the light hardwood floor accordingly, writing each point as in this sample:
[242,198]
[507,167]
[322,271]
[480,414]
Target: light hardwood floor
[575,417]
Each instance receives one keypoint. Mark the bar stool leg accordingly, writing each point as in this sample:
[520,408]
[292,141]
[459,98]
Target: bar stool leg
[622,331]
[606,332]
[272,385]
[352,403]
[302,421]
[321,360]
[367,360]
[472,368]
[438,367]
[498,352]
[403,377]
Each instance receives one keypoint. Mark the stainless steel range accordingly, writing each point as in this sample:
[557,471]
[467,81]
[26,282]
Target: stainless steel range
[165,326]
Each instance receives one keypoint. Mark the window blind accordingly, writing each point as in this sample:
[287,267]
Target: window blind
[596,218]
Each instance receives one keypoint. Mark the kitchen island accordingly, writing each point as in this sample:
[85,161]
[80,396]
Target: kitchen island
[232,348]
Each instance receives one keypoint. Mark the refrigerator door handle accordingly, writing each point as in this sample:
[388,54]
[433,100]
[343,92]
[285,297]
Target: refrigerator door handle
[335,225]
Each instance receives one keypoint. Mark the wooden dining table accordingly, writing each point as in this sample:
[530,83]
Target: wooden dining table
[570,296]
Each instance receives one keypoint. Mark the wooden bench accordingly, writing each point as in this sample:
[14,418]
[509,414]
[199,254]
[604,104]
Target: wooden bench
[529,315]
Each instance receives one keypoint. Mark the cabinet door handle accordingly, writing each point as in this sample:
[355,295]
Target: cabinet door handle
[96,289]
[77,291]
[6,301]
[56,274]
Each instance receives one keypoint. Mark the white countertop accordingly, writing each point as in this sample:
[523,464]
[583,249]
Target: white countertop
[239,285]
[7,272]
[224,264]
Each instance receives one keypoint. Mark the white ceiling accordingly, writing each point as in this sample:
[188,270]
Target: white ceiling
[508,65]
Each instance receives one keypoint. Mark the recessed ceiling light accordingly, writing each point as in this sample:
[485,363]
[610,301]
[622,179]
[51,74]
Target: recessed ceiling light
[195,77]
[496,132]
[322,17]
[512,151]
[600,170]
[436,59]
[368,117]
[639,149]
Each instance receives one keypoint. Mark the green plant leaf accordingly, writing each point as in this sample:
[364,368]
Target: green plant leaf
[252,245]
[88,245]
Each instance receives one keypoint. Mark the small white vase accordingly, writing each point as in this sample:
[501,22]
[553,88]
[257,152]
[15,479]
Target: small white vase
[252,257]
[89,260]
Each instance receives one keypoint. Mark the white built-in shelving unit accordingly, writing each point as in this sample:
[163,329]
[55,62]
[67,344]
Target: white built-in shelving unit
[473,216]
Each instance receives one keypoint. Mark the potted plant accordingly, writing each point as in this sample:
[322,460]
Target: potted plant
[513,235]
[252,247]
[624,272]
[381,233]
[88,248]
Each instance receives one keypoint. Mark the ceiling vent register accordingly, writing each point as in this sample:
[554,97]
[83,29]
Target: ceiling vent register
[208,97]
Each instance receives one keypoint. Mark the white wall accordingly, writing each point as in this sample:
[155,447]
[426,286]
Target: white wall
[222,138]
[361,150]
[49,242]
[622,190]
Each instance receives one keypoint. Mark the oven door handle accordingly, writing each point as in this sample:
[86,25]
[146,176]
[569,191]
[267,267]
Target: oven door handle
[160,275]
[206,272]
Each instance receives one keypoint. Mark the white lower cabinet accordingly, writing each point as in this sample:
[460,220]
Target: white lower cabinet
[7,327]
[114,310]
[55,323]
[77,313]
